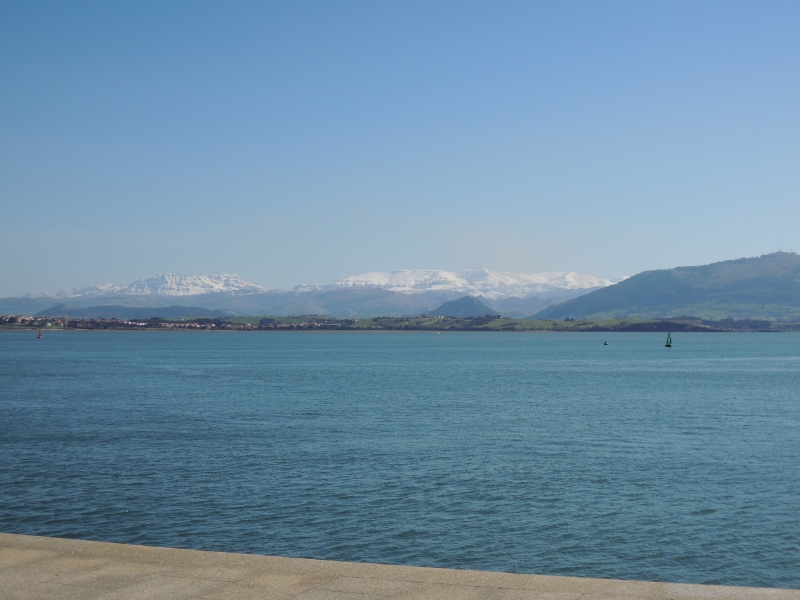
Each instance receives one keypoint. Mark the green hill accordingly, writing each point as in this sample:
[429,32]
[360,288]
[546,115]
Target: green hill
[463,308]
[766,287]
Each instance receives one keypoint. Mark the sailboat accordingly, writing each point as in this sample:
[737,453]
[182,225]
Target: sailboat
[39,336]
[669,341]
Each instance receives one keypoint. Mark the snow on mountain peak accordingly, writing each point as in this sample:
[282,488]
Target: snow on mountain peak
[471,282]
[169,284]
[474,282]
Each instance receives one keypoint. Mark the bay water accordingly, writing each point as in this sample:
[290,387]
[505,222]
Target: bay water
[531,453]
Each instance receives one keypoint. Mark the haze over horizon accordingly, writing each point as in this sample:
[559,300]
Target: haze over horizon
[397,280]
[307,142]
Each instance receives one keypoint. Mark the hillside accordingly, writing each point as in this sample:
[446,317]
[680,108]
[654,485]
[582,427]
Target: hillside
[169,284]
[463,308]
[395,293]
[473,282]
[126,312]
[766,287]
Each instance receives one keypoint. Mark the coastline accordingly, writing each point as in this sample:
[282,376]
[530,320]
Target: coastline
[40,567]
[429,324]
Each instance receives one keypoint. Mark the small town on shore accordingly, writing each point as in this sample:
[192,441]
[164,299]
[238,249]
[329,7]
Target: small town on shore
[416,323]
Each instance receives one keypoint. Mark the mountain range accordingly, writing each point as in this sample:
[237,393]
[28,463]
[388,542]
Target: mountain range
[472,282]
[168,284]
[764,287]
[378,293]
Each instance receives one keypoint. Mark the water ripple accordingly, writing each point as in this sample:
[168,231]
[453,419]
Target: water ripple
[526,453]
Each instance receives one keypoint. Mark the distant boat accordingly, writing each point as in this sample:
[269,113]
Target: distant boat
[669,341]
[605,343]
[39,336]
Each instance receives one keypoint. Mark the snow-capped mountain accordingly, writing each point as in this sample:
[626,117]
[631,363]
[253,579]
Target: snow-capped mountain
[369,294]
[169,284]
[472,282]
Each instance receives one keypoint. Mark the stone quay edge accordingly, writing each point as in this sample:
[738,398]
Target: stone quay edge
[34,567]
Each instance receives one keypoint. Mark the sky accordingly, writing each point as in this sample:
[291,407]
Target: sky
[302,142]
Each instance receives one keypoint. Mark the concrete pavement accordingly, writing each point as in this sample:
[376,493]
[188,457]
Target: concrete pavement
[54,568]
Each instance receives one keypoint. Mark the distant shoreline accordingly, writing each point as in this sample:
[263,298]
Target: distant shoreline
[486,323]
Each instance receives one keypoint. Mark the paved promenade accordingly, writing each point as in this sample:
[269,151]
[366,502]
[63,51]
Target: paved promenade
[53,568]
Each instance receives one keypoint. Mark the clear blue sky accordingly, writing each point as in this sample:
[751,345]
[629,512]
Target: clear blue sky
[300,142]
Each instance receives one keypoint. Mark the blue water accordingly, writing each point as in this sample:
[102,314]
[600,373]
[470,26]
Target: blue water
[533,453]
